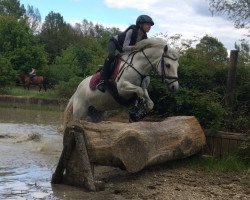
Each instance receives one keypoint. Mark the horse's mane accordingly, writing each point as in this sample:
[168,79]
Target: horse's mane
[157,42]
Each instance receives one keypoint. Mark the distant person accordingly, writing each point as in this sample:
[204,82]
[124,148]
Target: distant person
[124,42]
[32,74]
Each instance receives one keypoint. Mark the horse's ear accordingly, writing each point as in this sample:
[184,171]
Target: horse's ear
[166,48]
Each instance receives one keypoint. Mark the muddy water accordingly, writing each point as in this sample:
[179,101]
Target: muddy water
[30,146]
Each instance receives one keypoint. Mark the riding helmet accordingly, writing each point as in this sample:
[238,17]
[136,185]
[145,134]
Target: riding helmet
[144,19]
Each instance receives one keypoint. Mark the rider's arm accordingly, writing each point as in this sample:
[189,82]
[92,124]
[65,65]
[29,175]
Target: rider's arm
[126,46]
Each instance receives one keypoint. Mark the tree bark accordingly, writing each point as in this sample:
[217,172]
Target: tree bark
[134,146]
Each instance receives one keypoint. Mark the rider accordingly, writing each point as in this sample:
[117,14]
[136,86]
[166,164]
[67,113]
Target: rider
[32,74]
[124,42]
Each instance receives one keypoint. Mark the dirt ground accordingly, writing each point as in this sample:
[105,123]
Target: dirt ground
[169,182]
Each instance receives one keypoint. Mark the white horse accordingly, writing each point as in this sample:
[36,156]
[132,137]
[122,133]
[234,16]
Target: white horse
[151,55]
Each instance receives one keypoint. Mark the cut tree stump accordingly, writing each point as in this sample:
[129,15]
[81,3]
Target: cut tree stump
[129,146]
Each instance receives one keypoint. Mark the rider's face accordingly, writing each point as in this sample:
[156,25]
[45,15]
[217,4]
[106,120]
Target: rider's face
[146,27]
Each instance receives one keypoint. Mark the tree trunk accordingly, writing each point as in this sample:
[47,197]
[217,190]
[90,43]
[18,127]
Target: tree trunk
[134,146]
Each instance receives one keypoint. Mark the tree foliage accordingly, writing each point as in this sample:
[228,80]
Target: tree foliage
[7,74]
[12,8]
[19,46]
[237,10]
[55,35]
[33,18]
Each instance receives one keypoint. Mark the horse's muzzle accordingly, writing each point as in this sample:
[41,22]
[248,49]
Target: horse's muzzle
[172,83]
[173,86]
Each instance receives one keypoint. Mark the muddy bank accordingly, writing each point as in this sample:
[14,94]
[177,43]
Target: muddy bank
[21,100]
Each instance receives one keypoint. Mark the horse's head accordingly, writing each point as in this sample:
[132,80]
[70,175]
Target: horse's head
[166,57]
[167,68]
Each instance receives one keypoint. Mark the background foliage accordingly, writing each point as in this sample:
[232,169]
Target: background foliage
[66,54]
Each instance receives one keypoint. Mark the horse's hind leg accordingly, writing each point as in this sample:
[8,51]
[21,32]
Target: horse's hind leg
[80,111]
[95,115]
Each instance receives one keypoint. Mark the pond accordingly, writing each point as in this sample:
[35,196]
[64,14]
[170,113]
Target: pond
[30,146]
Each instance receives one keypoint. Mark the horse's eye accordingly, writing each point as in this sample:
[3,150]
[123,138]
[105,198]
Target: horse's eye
[167,65]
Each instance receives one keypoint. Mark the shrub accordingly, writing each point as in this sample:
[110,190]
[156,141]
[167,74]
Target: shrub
[7,75]
[65,89]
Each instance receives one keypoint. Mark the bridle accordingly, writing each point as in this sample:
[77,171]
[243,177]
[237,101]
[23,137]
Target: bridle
[165,78]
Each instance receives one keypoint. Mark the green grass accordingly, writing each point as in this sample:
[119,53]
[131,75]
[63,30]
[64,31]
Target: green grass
[230,163]
[31,106]
[34,92]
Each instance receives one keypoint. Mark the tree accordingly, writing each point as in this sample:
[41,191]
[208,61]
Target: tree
[12,8]
[7,74]
[55,34]
[237,11]
[244,56]
[19,46]
[214,51]
[33,18]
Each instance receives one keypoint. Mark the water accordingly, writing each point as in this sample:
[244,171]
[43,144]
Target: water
[30,147]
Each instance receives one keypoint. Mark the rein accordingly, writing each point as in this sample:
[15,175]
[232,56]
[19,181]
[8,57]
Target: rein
[131,65]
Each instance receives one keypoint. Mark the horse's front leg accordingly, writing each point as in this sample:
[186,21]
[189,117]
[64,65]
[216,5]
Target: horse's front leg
[148,102]
[126,89]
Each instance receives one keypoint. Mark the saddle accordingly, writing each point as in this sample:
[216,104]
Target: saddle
[114,71]
[111,84]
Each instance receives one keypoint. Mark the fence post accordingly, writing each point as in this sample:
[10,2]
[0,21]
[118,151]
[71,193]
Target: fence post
[231,78]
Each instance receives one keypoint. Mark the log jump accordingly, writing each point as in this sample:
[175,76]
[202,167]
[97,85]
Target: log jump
[129,146]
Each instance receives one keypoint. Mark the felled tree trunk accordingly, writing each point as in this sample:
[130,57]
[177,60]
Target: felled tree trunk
[134,146]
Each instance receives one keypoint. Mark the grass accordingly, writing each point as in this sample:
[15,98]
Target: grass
[34,92]
[31,106]
[229,163]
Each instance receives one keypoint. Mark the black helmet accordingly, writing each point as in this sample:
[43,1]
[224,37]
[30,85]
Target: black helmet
[144,19]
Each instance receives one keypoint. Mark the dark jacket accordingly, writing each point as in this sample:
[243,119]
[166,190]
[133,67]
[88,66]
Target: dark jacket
[122,36]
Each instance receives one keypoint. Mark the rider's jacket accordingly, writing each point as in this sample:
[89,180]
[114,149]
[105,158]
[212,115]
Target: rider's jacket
[120,38]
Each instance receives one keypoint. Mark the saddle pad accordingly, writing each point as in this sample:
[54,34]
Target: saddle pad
[96,77]
[94,80]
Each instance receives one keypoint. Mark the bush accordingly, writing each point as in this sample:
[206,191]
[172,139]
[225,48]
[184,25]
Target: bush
[7,75]
[65,89]
[205,106]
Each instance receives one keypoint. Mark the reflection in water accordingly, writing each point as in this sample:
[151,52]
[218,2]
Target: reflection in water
[26,165]
[16,115]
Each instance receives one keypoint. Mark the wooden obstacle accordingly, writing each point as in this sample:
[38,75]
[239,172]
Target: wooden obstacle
[129,146]
[220,143]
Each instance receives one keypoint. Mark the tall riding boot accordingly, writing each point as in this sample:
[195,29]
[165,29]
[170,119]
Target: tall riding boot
[105,74]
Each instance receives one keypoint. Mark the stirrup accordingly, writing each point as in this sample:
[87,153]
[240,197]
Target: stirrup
[101,86]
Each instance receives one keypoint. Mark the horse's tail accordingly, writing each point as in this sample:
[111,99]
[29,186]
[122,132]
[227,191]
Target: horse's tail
[68,113]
